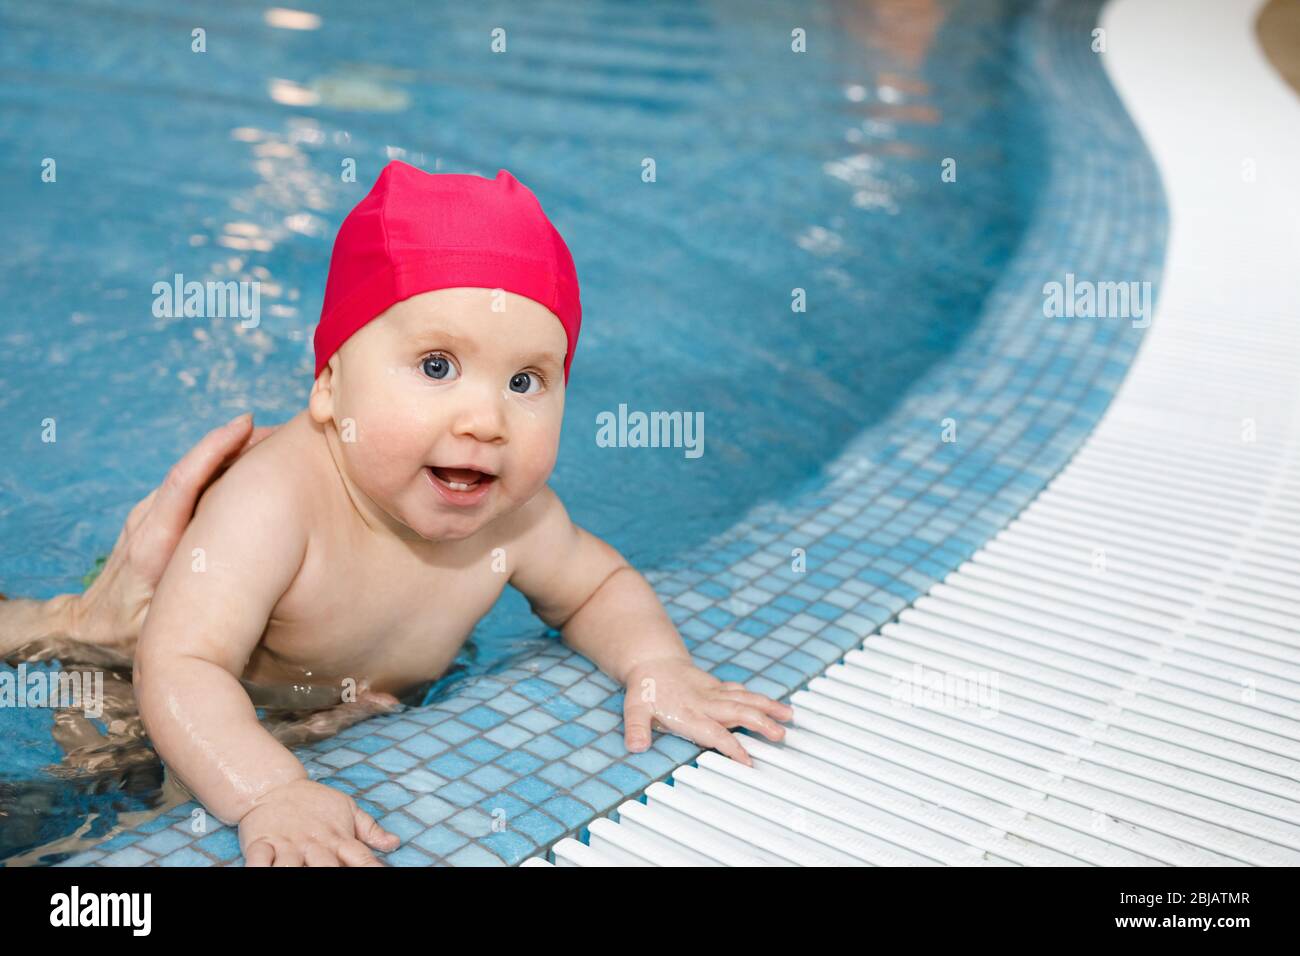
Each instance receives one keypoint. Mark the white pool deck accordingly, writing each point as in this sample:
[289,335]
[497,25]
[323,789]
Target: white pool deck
[1138,625]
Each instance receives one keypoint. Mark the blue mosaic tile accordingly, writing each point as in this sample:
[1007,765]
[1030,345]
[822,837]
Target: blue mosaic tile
[589,760]
[572,813]
[462,793]
[480,751]
[164,842]
[472,822]
[587,693]
[363,775]
[492,777]
[369,744]
[394,761]
[440,841]
[653,763]
[408,855]
[597,794]
[420,780]
[430,809]
[520,762]
[452,731]
[404,826]
[222,844]
[390,796]
[482,717]
[131,856]
[562,708]
[474,855]
[561,775]
[342,757]
[508,736]
[533,789]
[538,827]
[424,745]
[625,778]
[507,845]
[503,803]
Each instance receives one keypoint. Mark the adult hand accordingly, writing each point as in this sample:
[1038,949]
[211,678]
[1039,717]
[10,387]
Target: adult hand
[112,610]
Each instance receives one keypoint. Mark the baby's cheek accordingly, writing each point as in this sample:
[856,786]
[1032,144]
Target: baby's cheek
[384,452]
[537,461]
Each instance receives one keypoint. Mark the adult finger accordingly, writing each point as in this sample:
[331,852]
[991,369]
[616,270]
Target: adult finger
[253,439]
[258,434]
[174,502]
[137,514]
[189,476]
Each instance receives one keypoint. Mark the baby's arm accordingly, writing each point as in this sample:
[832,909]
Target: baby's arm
[561,569]
[607,611]
[208,614]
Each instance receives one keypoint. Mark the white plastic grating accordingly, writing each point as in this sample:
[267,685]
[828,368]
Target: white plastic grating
[1138,624]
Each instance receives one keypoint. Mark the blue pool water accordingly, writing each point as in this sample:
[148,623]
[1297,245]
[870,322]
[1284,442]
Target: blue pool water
[775,171]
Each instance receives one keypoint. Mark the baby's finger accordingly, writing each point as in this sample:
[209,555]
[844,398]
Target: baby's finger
[354,853]
[709,733]
[372,834]
[286,854]
[734,714]
[764,703]
[637,715]
[260,853]
[317,855]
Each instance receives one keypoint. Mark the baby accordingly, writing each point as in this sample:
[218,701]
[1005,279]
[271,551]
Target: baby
[358,545]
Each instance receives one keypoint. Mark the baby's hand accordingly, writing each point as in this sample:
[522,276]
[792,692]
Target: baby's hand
[304,823]
[673,694]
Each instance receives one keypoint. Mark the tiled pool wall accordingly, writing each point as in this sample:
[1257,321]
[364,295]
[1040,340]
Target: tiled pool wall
[515,760]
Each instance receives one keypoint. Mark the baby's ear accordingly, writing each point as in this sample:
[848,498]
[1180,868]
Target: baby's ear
[321,402]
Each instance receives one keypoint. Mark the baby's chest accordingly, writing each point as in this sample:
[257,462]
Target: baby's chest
[399,613]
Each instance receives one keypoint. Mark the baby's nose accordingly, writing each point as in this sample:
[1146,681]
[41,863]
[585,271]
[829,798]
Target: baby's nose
[482,416]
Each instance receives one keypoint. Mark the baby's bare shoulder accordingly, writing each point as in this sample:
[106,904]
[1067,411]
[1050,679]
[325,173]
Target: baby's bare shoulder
[277,480]
[538,531]
[249,535]
[543,513]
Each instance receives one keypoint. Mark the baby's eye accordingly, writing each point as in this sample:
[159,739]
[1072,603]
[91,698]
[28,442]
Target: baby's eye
[520,380]
[438,366]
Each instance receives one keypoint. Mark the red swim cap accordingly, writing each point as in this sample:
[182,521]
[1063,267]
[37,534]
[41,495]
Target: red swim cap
[415,232]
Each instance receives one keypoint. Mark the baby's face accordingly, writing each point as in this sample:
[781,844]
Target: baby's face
[442,381]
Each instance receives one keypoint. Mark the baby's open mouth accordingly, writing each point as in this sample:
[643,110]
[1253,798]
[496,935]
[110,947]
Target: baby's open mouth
[461,479]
